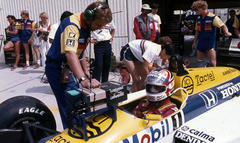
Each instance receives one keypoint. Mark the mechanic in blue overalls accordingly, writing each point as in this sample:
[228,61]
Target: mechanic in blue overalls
[68,48]
[206,28]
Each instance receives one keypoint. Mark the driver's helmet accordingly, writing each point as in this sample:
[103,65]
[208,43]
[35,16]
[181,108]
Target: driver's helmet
[159,84]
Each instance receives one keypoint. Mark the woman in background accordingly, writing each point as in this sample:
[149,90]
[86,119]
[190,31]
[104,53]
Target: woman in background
[43,27]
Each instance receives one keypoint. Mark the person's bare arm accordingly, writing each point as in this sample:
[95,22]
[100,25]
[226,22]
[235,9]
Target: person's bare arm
[225,30]
[74,64]
[195,39]
[151,68]
[15,32]
[145,68]
[84,65]
[237,32]
[76,68]
[112,32]
[159,28]
[34,28]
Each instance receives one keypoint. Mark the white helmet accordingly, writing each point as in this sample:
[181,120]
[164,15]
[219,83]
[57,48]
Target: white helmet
[159,84]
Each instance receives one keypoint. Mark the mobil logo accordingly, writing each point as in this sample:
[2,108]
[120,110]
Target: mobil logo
[151,134]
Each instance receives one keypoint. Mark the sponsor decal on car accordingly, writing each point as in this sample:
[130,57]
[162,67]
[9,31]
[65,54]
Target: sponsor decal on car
[210,98]
[230,71]
[203,78]
[202,135]
[193,136]
[31,110]
[187,138]
[188,84]
[229,89]
[157,131]
[151,134]
[59,139]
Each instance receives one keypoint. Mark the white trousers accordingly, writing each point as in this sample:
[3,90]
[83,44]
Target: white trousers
[44,49]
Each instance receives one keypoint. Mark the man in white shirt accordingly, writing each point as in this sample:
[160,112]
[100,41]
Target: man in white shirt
[138,54]
[157,20]
[102,40]
[54,27]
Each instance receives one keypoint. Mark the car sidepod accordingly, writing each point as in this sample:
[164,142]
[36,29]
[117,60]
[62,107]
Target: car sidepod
[212,115]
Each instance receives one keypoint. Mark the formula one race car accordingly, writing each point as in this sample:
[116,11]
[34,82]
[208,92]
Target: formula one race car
[207,101]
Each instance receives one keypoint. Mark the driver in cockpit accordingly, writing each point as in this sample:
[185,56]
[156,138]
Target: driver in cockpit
[159,86]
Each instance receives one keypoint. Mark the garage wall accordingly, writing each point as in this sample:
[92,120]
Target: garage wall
[124,12]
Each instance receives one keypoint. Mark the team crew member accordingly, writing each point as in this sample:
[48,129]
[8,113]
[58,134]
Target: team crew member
[206,28]
[236,24]
[137,55]
[157,20]
[230,22]
[159,85]
[163,41]
[102,40]
[27,35]
[68,47]
[144,27]
[13,29]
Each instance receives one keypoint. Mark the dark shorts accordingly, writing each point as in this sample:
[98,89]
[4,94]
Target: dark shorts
[205,50]
[24,39]
[15,39]
[126,54]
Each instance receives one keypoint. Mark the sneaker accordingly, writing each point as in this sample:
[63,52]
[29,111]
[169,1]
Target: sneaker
[191,55]
[25,67]
[36,66]
[13,68]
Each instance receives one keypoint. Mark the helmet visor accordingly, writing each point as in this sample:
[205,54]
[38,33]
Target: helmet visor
[155,89]
[153,78]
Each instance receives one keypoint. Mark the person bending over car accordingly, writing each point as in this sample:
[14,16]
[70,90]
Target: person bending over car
[138,54]
[68,53]
[159,85]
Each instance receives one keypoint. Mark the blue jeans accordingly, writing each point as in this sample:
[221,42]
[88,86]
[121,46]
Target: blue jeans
[102,52]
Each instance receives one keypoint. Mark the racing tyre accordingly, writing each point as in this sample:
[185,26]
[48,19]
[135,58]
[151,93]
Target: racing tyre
[22,109]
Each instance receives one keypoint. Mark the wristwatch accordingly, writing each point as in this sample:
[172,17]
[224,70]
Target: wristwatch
[82,79]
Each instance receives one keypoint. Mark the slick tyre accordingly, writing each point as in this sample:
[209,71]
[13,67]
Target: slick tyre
[22,109]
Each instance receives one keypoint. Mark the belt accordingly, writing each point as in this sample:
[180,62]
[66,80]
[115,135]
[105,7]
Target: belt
[103,42]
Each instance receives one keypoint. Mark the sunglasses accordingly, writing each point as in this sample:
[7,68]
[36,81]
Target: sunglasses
[101,5]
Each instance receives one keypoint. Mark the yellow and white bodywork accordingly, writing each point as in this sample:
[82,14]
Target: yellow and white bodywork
[127,128]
